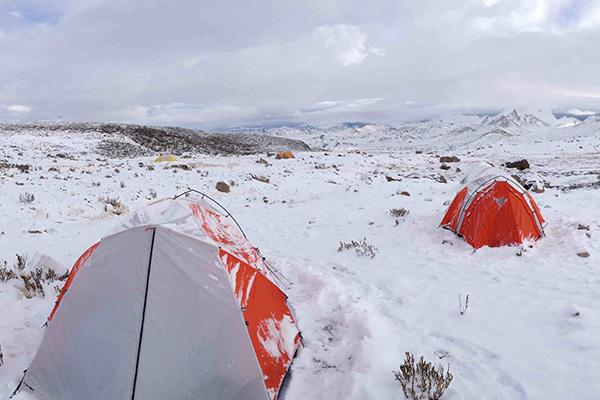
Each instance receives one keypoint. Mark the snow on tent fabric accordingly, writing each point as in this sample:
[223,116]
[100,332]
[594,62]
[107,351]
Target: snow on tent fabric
[176,304]
[493,210]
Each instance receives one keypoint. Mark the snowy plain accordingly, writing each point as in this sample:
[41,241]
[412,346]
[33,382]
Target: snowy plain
[531,327]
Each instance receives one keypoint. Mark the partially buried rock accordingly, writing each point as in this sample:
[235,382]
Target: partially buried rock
[449,159]
[262,161]
[222,187]
[445,167]
[260,178]
[441,179]
[520,165]
[538,187]
[583,254]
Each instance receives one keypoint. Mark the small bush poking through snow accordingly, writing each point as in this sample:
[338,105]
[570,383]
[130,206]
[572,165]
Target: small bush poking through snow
[32,283]
[399,213]
[113,205]
[422,381]
[26,198]
[6,274]
[462,310]
[21,262]
[362,248]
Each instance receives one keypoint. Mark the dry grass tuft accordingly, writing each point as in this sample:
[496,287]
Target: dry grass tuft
[362,248]
[422,380]
[26,198]
[113,205]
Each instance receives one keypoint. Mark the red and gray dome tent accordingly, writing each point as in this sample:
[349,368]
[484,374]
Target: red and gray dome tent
[492,209]
[176,305]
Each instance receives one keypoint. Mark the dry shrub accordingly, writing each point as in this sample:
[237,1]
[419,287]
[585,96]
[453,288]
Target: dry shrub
[32,283]
[6,274]
[21,262]
[422,381]
[24,168]
[113,205]
[26,198]
[361,248]
[399,213]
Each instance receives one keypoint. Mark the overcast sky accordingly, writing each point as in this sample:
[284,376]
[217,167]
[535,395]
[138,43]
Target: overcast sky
[210,63]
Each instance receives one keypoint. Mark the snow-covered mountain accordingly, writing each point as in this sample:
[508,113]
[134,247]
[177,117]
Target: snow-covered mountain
[514,119]
[449,132]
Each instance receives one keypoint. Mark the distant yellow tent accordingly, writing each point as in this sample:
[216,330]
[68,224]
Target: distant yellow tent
[166,158]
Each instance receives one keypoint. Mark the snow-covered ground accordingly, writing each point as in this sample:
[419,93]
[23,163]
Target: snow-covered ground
[532,323]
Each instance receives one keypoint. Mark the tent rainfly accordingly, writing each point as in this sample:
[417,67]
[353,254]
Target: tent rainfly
[176,305]
[165,158]
[492,209]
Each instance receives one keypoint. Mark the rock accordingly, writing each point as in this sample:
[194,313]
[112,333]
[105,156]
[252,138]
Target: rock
[419,152]
[284,155]
[525,183]
[583,254]
[392,179]
[262,161]
[222,187]
[445,167]
[538,188]
[518,179]
[441,179]
[449,159]
[572,310]
[583,227]
[403,193]
[260,178]
[520,165]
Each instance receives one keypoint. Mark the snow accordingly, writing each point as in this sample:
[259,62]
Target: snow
[531,327]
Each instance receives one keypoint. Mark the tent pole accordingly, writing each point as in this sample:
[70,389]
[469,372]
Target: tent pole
[19,385]
[137,362]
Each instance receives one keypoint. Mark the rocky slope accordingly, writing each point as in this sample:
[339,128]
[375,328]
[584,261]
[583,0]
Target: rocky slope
[126,140]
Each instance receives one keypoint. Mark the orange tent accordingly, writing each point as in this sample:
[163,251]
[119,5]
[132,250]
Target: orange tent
[176,304]
[284,155]
[493,210]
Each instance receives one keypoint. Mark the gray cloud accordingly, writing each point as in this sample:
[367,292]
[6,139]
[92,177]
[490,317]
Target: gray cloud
[218,63]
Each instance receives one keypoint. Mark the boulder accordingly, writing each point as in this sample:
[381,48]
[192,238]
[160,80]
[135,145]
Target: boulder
[449,159]
[222,187]
[520,165]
